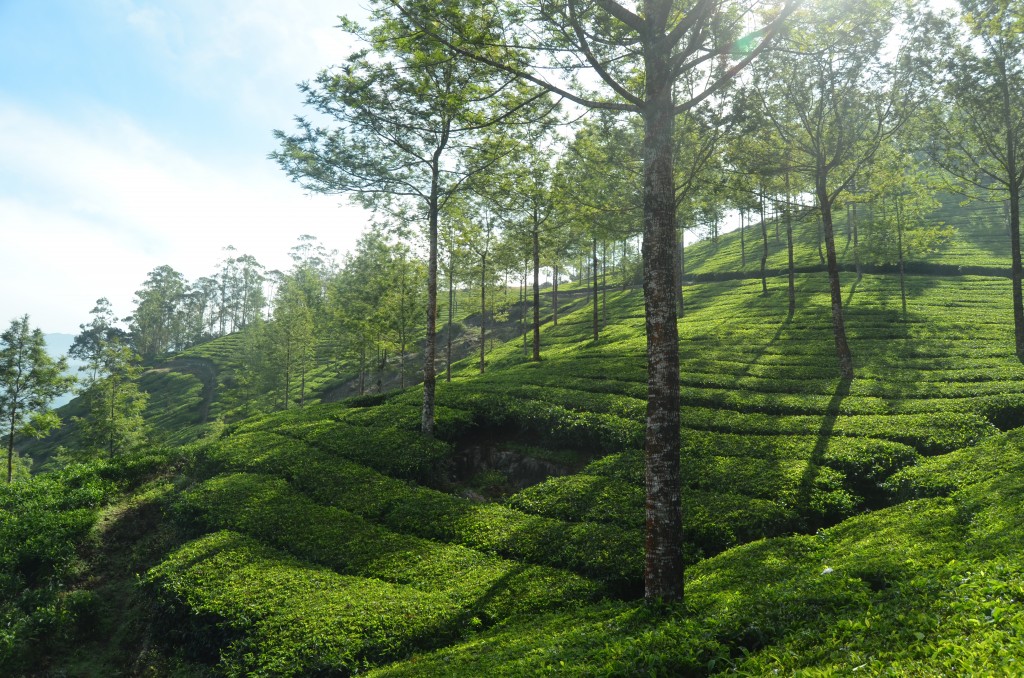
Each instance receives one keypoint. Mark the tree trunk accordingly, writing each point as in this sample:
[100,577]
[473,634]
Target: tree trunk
[10,449]
[536,288]
[1014,185]
[663,567]
[899,254]
[451,318]
[483,308]
[430,349]
[743,239]
[604,282]
[836,290]
[764,249]
[821,252]
[554,297]
[113,413]
[789,249]
[594,269]
[679,272]
[1018,299]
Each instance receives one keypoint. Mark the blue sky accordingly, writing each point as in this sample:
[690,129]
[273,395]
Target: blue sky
[134,133]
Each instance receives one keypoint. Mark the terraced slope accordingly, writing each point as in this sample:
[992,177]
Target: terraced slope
[980,240]
[335,538]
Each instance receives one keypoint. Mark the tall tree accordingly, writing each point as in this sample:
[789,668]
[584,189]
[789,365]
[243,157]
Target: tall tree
[157,325]
[981,134]
[657,58]
[114,401]
[29,381]
[405,113]
[831,96]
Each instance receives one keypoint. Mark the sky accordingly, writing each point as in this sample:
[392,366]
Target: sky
[135,134]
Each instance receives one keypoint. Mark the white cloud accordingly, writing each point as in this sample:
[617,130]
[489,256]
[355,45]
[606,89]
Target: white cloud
[100,202]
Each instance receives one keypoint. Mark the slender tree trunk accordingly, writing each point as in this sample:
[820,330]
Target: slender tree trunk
[451,318]
[836,290]
[430,349]
[899,253]
[536,287]
[1014,185]
[764,249]
[362,369]
[663,567]
[789,249]
[483,308]
[287,371]
[743,239]
[821,252]
[522,300]
[10,447]
[679,272]
[1018,298]
[113,413]
[604,282]
[554,297]
[302,385]
[594,269]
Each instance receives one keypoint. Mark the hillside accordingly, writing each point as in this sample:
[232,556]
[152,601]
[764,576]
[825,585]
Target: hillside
[831,527]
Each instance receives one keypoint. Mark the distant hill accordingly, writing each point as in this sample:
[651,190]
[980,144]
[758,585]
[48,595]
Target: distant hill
[57,345]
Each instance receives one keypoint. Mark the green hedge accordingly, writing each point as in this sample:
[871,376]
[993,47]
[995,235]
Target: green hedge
[271,614]
[606,553]
[484,586]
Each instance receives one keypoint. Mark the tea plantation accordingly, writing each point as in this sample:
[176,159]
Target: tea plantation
[832,527]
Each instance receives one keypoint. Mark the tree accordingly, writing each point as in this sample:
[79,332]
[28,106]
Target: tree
[114,401]
[157,326]
[830,96]
[981,132]
[291,337]
[405,113]
[88,344]
[659,60]
[29,380]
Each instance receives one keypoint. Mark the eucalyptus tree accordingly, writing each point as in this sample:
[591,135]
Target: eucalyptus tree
[114,402]
[981,132]
[903,192]
[87,345]
[157,325]
[404,113]
[597,189]
[292,337]
[29,381]
[833,99]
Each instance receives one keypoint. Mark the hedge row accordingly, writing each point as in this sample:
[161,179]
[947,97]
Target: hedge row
[270,614]
[485,586]
[604,552]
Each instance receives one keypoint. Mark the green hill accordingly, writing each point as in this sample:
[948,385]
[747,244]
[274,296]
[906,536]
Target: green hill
[831,527]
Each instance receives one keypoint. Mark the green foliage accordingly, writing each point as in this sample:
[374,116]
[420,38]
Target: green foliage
[284,617]
[483,586]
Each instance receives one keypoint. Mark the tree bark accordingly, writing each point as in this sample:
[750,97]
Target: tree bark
[483,308]
[451,318]
[743,240]
[679,272]
[836,290]
[594,268]
[663,567]
[789,249]
[1014,186]
[764,249]
[430,349]
[554,297]
[899,253]
[536,288]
